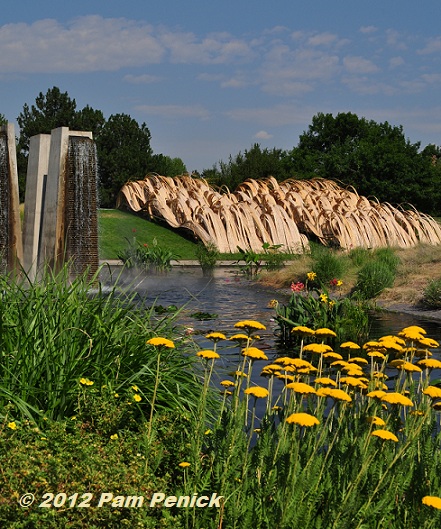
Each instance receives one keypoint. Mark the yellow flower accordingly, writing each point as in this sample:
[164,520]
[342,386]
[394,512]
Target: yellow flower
[339,283]
[432,501]
[311,276]
[135,388]
[396,398]
[215,336]
[137,398]
[250,324]
[349,345]
[207,354]
[358,360]
[377,421]
[301,330]
[324,298]
[237,374]
[301,387]
[207,432]
[336,394]
[430,363]
[352,381]
[254,353]
[116,395]
[302,419]
[257,391]
[378,394]
[114,436]
[333,356]
[324,332]
[227,383]
[239,337]
[86,382]
[12,425]
[385,434]
[433,392]
[326,381]
[377,354]
[184,464]
[409,367]
[319,348]
[158,342]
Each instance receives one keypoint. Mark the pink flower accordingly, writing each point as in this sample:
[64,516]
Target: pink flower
[297,287]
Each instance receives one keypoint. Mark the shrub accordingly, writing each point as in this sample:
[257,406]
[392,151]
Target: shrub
[327,265]
[373,278]
[432,294]
[207,255]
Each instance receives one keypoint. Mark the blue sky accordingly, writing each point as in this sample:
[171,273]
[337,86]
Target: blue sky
[210,79]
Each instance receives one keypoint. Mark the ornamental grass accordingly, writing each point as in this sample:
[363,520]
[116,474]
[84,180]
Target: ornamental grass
[306,445]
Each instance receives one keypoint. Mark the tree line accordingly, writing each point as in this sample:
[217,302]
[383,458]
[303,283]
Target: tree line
[374,158]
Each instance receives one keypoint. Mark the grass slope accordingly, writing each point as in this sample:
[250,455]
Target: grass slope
[117,228]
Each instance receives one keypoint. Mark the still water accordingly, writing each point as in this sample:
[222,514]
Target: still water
[232,297]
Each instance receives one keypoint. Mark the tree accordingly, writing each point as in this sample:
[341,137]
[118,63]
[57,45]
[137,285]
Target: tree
[255,163]
[52,110]
[375,158]
[167,166]
[124,154]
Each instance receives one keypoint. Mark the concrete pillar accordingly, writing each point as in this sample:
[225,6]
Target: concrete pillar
[38,163]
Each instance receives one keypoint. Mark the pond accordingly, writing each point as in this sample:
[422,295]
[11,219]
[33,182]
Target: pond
[230,297]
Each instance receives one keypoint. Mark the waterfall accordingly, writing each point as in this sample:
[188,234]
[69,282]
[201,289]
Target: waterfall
[4,203]
[81,216]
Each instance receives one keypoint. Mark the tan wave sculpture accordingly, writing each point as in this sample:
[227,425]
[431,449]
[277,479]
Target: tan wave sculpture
[289,213]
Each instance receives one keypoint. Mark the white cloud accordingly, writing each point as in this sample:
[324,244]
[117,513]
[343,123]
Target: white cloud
[275,116]
[394,62]
[141,79]
[433,46]
[368,29]
[175,111]
[262,135]
[356,64]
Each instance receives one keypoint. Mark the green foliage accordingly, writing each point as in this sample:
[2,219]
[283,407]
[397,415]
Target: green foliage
[167,166]
[375,158]
[316,309]
[327,265]
[271,258]
[124,154]
[254,163]
[377,273]
[55,333]
[432,294]
[207,255]
[147,257]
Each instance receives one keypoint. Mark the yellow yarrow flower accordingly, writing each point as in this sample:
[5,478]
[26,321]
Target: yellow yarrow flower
[433,392]
[215,336]
[301,330]
[385,435]
[301,387]
[432,501]
[254,353]
[302,419]
[208,354]
[227,383]
[326,381]
[396,398]
[333,393]
[184,464]
[325,332]
[257,392]
[250,324]
[377,421]
[158,341]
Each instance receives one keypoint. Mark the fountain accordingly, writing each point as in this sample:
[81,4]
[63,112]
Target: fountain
[61,221]
[10,233]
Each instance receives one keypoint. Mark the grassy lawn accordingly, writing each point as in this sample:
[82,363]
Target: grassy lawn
[116,228]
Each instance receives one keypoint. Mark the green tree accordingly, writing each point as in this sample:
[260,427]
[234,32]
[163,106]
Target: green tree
[124,154]
[51,110]
[375,158]
[167,166]
[254,163]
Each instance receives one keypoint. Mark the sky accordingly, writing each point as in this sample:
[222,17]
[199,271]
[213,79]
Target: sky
[210,79]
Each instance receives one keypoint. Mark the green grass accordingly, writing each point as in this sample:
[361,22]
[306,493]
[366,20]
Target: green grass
[117,227]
